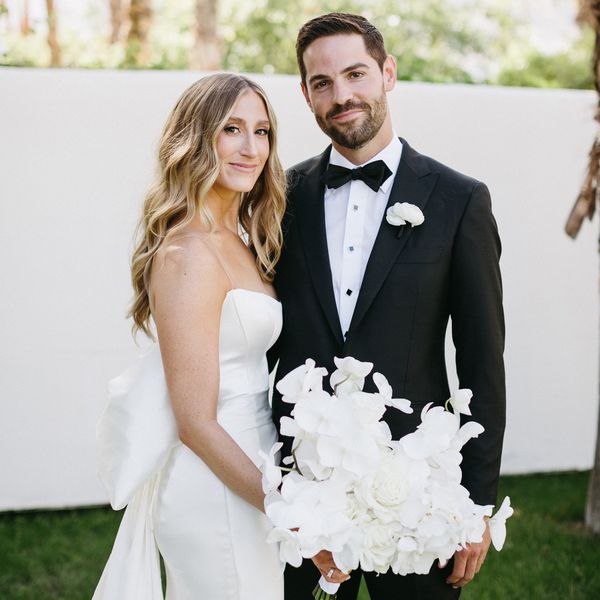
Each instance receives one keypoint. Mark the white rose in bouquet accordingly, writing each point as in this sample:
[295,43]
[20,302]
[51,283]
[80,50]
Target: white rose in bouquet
[396,479]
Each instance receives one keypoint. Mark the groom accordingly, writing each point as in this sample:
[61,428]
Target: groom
[353,284]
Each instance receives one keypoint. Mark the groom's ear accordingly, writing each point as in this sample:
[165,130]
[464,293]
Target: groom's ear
[389,72]
[306,96]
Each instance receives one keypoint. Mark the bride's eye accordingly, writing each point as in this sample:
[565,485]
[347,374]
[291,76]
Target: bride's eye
[232,129]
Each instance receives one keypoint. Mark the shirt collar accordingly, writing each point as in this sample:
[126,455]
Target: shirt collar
[390,155]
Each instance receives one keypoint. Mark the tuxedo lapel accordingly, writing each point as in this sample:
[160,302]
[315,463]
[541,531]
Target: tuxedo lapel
[311,221]
[413,183]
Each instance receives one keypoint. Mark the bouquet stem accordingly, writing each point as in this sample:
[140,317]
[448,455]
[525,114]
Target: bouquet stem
[325,590]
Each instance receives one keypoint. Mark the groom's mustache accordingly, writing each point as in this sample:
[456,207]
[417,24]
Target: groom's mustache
[342,108]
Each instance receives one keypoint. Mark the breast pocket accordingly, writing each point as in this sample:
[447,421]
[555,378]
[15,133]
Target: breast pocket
[420,254]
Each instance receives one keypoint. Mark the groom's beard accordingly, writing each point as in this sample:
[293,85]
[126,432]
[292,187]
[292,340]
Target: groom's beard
[355,137]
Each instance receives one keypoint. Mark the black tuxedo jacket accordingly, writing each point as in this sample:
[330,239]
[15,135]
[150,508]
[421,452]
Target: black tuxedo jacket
[416,278]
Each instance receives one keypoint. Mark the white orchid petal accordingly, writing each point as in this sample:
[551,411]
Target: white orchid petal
[497,524]
[271,473]
[471,429]
[288,427]
[353,367]
[402,404]
[383,386]
[292,384]
[425,410]
[330,451]
[289,546]
[460,401]
[506,510]
[275,448]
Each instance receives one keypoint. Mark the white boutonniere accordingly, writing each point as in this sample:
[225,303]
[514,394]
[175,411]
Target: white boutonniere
[402,213]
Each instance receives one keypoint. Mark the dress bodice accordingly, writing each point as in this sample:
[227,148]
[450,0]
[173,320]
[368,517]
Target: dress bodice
[250,324]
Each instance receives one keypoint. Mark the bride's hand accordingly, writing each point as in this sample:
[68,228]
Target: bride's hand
[326,565]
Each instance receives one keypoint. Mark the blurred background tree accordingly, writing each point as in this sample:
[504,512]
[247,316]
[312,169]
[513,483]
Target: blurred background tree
[207,52]
[52,34]
[25,26]
[116,20]
[137,48]
[585,207]
[467,41]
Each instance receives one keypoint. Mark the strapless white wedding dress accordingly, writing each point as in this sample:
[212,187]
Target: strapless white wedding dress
[212,542]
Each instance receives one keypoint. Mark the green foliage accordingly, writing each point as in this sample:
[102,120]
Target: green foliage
[471,41]
[572,69]
[548,554]
[263,39]
[430,39]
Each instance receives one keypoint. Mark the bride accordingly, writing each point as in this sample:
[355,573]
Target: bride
[181,436]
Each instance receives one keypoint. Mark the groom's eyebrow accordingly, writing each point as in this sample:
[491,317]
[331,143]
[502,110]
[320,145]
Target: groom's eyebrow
[353,67]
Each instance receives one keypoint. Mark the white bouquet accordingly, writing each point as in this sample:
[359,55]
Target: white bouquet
[370,500]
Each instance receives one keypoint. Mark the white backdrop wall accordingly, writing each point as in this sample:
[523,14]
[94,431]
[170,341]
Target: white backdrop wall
[77,151]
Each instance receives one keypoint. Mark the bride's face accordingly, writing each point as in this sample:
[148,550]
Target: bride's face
[243,144]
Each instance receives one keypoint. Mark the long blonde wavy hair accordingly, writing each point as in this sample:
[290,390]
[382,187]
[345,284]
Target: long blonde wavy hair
[188,166]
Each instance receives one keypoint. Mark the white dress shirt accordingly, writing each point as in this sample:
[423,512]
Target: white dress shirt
[353,215]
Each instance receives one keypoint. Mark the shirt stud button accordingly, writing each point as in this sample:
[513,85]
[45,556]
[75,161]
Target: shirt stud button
[349,292]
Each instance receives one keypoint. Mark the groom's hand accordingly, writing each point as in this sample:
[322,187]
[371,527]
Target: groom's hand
[326,565]
[468,561]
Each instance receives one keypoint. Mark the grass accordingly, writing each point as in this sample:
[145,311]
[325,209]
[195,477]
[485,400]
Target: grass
[59,555]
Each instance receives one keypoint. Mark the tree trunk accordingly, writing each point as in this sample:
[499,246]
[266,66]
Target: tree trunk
[52,37]
[116,20]
[138,47]
[592,509]
[25,23]
[207,52]
[585,206]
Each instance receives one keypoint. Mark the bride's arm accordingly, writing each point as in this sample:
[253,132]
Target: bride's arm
[188,287]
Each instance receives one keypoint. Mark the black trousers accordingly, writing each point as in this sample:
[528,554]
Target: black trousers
[300,582]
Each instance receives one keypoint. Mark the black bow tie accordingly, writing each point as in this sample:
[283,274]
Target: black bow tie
[373,174]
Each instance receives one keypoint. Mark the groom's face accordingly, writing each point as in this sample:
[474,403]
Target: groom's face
[346,89]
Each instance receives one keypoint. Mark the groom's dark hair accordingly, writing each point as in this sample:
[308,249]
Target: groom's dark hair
[339,24]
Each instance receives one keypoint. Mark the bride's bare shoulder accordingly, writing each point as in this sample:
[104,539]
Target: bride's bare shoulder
[187,253]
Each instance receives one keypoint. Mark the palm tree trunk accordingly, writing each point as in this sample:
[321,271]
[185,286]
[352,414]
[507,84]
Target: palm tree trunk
[25,22]
[585,206]
[206,55]
[592,509]
[116,20]
[52,35]
[138,47]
